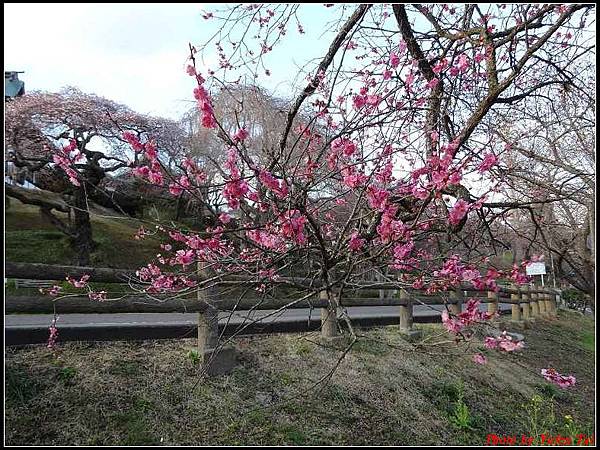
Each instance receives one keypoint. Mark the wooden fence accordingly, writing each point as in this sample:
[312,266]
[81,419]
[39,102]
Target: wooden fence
[527,303]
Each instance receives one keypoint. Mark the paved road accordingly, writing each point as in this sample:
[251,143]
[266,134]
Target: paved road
[33,328]
[19,320]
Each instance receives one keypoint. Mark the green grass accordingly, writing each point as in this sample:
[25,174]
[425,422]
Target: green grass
[588,341]
[30,237]
[151,392]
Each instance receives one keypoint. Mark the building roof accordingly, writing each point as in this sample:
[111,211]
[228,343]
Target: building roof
[13,87]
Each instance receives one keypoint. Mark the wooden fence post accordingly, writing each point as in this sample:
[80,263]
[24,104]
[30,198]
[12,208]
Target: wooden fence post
[535,307]
[492,305]
[457,295]
[329,325]
[208,331]
[525,305]
[516,307]
[541,303]
[549,303]
[406,317]
[558,299]
[214,361]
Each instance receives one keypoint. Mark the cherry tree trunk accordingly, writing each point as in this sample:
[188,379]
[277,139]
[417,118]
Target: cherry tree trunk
[82,227]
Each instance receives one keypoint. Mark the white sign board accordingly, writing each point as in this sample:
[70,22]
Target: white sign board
[536,268]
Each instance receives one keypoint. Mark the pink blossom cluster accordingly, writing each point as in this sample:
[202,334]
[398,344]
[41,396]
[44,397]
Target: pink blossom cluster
[343,146]
[440,66]
[97,296]
[236,187]
[292,225]
[177,187]
[356,243]
[204,105]
[458,211]
[487,282]
[489,161]
[384,175]
[503,342]
[133,141]
[461,66]
[370,101]
[209,249]
[562,381]
[160,282]
[53,291]
[193,171]
[240,135]
[81,283]
[65,159]
[470,316]
[352,177]
[267,239]
[432,84]
[403,251]
[152,172]
[53,334]
[377,197]
[234,190]
[439,170]
[340,147]
[517,275]
[479,358]
[453,271]
[184,257]
[390,229]
[141,233]
[279,187]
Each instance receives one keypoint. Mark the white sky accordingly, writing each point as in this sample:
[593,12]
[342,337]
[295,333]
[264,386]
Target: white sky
[131,53]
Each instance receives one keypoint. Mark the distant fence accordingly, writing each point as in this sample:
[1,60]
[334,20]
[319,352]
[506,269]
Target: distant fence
[527,303]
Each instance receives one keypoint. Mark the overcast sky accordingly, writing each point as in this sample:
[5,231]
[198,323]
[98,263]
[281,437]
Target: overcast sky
[131,53]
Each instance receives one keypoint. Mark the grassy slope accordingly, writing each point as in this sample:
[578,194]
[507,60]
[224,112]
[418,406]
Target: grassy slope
[150,393]
[30,238]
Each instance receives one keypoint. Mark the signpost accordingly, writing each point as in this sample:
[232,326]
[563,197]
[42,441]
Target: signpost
[536,268]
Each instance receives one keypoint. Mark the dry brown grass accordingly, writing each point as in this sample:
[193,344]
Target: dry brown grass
[150,392]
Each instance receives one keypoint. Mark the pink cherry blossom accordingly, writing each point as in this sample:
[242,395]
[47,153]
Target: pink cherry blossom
[479,358]
[292,225]
[53,334]
[562,381]
[490,343]
[97,296]
[463,63]
[359,101]
[458,211]
[377,197]
[82,282]
[355,243]
[353,178]
[432,83]
[279,187]
[240,134]
[234,191]
[488,162]
[184,257]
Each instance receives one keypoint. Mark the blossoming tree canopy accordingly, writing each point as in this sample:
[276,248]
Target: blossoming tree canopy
[379,161]
[82,139]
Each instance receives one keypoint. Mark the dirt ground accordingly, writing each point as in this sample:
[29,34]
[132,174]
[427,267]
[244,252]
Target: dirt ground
[384,391]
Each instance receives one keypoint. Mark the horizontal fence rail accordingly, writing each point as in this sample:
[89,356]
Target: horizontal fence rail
[527,303]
